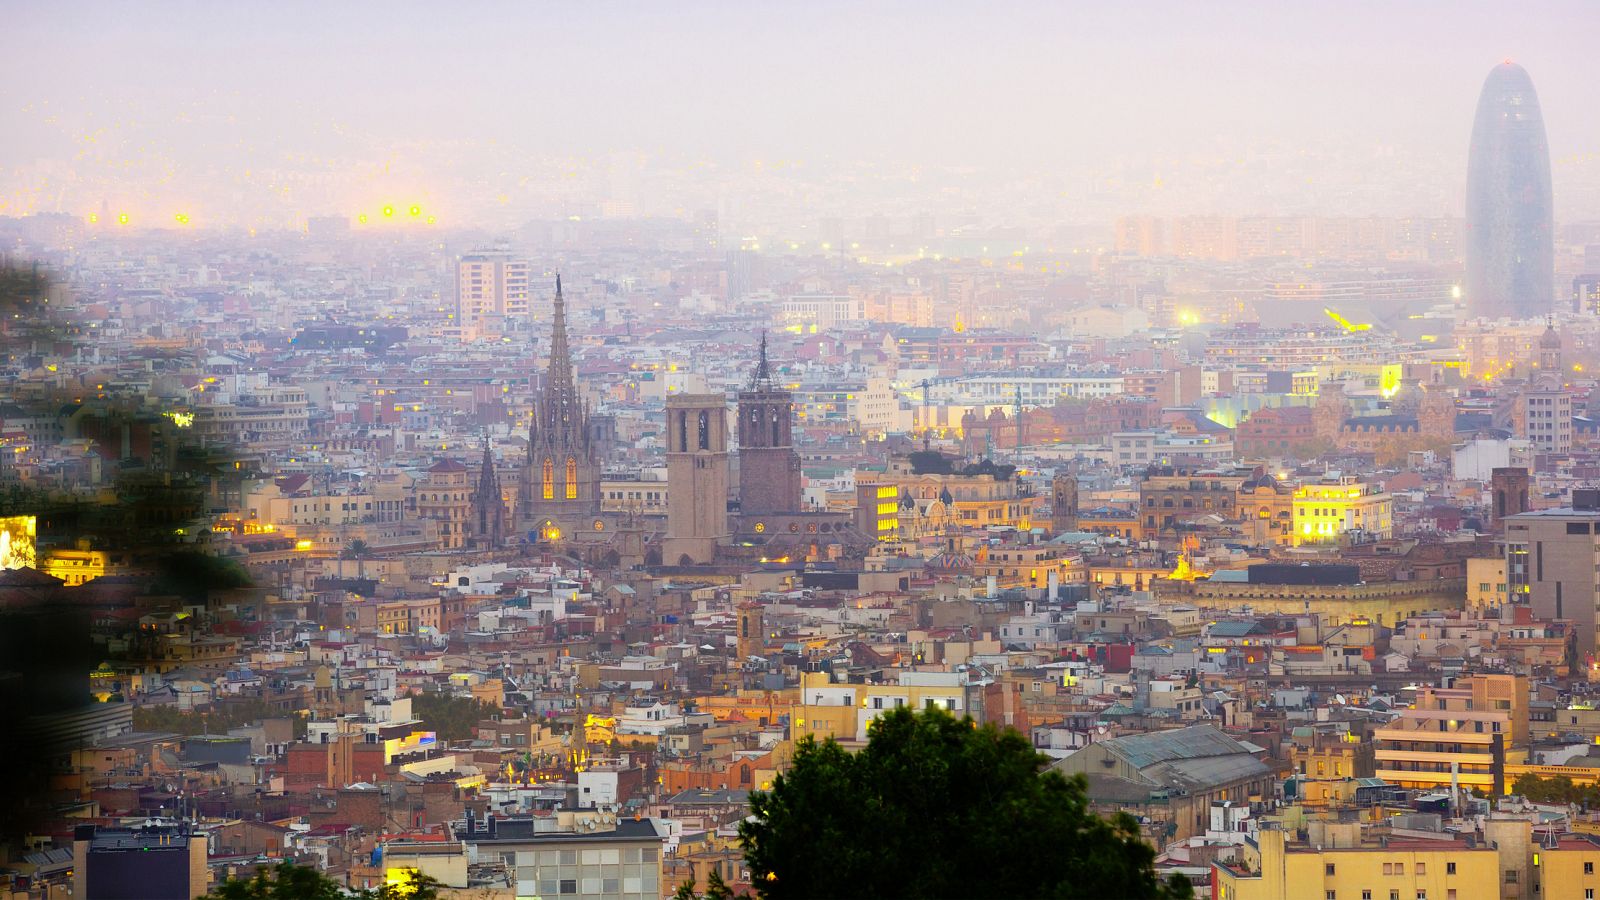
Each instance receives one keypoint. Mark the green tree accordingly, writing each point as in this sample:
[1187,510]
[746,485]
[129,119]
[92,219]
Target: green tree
[452,718]
[927,809]
[359,551]
[1559,789]
[287,881]
[716,889]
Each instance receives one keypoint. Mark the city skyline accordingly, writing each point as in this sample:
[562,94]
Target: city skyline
[1088,112]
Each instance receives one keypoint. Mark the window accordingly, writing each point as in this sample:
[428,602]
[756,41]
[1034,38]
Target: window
[1394,895]
[1331,895]
[1588,868]
[1328,870]
[1422,895]
[1449,868]
[549,479]
[1422,868]
[569,886]
[572,478]
[1366,894]
[1511,876]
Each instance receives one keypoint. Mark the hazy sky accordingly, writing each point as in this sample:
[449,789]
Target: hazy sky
[268,111]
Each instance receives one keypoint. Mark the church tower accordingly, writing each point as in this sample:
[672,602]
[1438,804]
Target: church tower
[697,478]
[1436,417]
[752,639]
[1330,411]
[769,469]
[488,521]
[1550,353]
[560,492]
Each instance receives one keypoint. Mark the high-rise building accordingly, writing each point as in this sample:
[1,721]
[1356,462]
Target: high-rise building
[560,491]
[1550,556]
[697,478]
[491,292]
[1510,239]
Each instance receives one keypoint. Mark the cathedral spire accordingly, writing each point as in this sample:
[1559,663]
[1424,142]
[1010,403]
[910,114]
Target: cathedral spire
[558,411]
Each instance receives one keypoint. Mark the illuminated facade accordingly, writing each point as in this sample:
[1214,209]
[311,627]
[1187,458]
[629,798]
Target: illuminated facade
[18,536]
[1415,870]
[844,711]
[1332,513]
[1468,733]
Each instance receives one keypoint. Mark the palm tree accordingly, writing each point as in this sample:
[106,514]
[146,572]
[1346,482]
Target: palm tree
[358,550]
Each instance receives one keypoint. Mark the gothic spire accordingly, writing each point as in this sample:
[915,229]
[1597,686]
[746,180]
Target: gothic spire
[488,479]
[558,412]
[762,378]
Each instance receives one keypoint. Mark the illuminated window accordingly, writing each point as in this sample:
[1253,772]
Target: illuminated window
[572,478]
[549,480]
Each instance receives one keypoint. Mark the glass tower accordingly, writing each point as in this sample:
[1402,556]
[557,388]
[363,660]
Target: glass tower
[1510,250]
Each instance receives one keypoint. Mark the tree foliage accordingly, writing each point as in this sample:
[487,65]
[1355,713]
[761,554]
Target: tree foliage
[452,718]
[1559,789]
[287,881]
[218,719]
[716,889]
[930,808]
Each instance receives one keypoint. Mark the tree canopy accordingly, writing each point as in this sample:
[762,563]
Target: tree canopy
[1559,789]
[452,718]
[287,881]
[936,807]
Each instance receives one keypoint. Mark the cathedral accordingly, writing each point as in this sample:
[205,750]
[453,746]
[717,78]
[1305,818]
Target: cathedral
[559,495]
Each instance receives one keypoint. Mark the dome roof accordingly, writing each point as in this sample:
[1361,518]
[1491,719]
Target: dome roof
[1550,340]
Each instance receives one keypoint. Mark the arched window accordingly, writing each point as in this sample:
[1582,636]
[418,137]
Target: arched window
[549,479]
[572,478]
[703,432]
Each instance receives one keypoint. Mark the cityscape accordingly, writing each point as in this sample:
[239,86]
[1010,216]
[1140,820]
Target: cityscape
[621,453]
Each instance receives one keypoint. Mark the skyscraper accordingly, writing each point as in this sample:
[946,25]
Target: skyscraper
[1510,250]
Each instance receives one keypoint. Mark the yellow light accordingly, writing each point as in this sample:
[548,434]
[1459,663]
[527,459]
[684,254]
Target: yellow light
[430,220]
[416,210]
[362,218]
[122,219]
[93,218]
[303,544]
[182,218]
[388,210]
